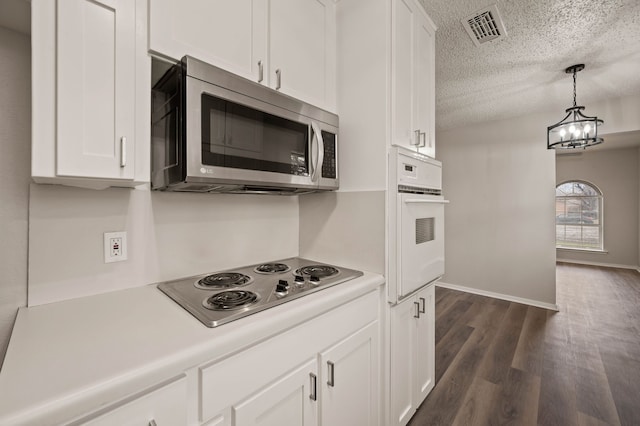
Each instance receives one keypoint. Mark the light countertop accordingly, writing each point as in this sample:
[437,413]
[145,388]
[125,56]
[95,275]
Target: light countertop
[71,357]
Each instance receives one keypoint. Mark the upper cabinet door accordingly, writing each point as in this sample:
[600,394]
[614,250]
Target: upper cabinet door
[302,49]
[424,81]
[95,88]
[402,54]
[413,77]
[226,33]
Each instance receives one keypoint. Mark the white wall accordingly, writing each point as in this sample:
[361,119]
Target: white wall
[615,173]
[15,172]
[499,226]
[170,235]
[344,228]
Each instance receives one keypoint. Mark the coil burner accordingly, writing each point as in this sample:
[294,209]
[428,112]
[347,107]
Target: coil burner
[320,271]
[223,280]
[272,268]
[230,300]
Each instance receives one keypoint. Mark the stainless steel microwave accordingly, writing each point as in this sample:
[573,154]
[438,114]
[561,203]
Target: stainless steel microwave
[213,131]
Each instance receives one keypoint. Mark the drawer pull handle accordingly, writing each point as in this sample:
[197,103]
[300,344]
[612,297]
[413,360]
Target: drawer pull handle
[331,382]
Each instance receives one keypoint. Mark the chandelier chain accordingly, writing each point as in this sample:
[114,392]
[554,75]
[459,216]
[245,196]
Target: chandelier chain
[574,88]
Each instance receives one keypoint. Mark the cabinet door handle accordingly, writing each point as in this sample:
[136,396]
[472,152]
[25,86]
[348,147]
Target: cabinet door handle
[331,366]
[152,422]
[278,79]
[416,139]
[260,72]
[423,140]
[313,395]
[423,305]
[123,151]
[417,314]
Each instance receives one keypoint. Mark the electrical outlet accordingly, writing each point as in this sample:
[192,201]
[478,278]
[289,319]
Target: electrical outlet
[115,246]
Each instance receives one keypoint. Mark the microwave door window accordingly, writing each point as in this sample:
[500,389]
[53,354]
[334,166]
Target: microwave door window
[236,136]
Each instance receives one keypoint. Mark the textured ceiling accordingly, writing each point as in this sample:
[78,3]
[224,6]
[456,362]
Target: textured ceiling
[524,72]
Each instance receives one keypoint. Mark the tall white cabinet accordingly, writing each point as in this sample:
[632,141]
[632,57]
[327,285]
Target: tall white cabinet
[288,45]
[88,127]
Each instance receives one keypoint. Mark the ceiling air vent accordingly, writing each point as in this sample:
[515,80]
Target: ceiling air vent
[485,25]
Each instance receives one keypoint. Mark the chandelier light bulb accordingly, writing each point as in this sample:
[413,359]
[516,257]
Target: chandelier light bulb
[572,129]
[577,132]
[587,128]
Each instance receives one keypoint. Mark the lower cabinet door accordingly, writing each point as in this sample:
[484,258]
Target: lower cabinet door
[425,349]
[403,350]
[166,405]
[290,400]
[349,377]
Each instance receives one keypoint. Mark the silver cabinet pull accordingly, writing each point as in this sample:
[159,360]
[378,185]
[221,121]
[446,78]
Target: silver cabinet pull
[278,79]
[260,72]
[331,382]
[123,151]
[417,314]
[152,422]
[416,139]
[423,140]
[313,395]
[423,305]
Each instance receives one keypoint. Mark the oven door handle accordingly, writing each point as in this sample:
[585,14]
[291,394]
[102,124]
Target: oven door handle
[317,164]
[418,201]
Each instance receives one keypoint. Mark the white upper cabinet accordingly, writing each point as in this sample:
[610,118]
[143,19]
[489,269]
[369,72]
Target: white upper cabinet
[84,93]
[226,33]
[413,77]
[288,45]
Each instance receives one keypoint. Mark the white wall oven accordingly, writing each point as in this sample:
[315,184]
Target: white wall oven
[417,249]
[213,131]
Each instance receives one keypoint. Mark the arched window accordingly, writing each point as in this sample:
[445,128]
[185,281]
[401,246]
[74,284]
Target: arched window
[578,216]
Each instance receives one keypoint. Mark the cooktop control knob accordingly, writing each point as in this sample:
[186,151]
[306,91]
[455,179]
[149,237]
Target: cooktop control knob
[299,280]
[314,280]
[282,289]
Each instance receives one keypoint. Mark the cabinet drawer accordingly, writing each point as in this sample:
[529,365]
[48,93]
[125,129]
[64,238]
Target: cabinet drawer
[232,379]
[165,404]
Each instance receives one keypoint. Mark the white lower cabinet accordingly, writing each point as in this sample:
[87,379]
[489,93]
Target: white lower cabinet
[323,372]
[160,406]
[349,380]
[412,354]
[291,400]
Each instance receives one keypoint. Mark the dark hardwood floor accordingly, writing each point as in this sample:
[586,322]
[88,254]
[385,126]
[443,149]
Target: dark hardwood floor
[499,362]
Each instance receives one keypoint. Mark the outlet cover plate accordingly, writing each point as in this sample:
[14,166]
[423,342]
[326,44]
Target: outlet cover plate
[115,246]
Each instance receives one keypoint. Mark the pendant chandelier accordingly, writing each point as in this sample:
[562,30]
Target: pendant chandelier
[575,130]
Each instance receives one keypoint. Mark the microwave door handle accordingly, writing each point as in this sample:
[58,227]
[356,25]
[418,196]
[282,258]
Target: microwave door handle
[418,201]
[317,165]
